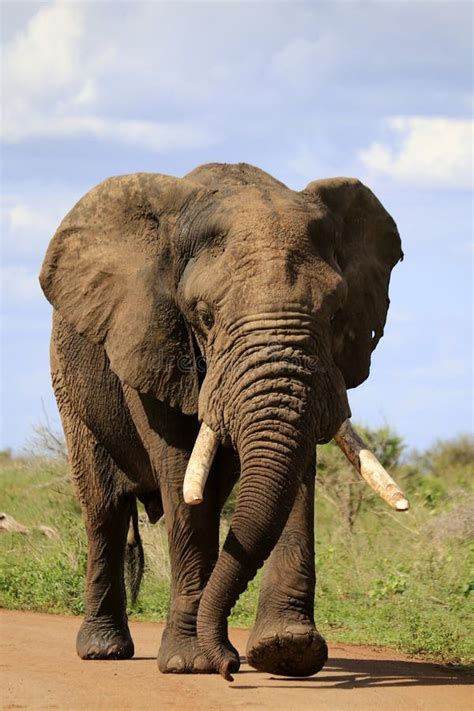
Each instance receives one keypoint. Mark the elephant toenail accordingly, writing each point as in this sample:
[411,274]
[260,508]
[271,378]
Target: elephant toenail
[268,635]
[200,663]
[176,663]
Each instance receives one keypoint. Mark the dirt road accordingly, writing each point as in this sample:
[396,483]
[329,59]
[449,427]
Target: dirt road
[40,670]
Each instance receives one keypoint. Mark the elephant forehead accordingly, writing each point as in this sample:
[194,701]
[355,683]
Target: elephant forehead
[275,219]
[257,199]
[277,234]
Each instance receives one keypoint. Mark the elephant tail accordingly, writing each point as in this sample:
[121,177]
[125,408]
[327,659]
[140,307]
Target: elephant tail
[134,557]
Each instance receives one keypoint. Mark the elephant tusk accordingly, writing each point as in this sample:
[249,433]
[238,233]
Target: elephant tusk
[199,465]
[369,467]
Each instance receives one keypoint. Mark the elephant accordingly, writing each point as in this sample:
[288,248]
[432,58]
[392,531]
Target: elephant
[224,303]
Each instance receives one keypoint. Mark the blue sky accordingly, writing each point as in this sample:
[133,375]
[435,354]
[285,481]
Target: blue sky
[378,90]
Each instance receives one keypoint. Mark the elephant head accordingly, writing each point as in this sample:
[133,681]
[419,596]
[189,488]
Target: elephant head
[282,295]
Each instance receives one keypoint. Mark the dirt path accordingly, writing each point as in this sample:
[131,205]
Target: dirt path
[40,670]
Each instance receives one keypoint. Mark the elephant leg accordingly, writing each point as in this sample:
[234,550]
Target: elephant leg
[284,639]
[104,633]
[193,535]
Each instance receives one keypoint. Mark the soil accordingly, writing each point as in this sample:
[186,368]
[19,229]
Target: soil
[40,670]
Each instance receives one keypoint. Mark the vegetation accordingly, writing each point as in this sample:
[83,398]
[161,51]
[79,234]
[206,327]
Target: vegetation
[400,580]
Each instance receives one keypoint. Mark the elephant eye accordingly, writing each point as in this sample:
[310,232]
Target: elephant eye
[205,315]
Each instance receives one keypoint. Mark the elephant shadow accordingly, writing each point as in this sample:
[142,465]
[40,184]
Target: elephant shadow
[342,673]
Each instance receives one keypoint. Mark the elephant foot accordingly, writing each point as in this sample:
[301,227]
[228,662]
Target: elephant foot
[101,638]
[181,654]
[287,647]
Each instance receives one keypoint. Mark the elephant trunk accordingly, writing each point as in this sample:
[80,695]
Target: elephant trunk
[277,421]
[267,492]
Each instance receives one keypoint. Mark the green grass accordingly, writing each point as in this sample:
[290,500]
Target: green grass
[36,572]
[400,580]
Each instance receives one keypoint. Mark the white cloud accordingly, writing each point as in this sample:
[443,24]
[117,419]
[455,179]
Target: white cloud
[426,151]
[22,217]
[30,218]
[146,134]
[20,284]
[52,78]
[46,56]
[87,94]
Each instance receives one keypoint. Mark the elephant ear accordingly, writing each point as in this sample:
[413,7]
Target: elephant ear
[110,272]
[367,248]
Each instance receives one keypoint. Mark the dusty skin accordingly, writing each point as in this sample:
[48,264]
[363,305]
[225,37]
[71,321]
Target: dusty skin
[40,670]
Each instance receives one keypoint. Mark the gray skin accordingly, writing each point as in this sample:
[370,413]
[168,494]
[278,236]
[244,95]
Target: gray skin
[222,297]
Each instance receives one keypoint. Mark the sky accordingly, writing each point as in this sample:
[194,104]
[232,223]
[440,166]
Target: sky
[377,90]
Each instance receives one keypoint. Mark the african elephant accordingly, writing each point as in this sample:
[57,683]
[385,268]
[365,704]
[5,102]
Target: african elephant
[227,299]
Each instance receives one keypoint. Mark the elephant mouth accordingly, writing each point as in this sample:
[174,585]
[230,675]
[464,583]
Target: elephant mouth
[347,438]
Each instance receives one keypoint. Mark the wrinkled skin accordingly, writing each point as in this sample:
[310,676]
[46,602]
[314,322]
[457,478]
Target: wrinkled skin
[227,298]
